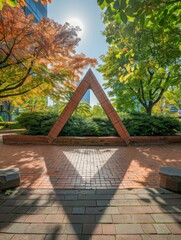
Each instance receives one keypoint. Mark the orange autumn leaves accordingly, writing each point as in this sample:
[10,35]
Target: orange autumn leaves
[37,55]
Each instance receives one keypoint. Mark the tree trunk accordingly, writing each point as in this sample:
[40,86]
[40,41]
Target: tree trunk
[149,109]
[9,111]
[9,116]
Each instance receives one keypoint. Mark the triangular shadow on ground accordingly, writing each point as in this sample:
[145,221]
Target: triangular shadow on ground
[89,192]
[84,209]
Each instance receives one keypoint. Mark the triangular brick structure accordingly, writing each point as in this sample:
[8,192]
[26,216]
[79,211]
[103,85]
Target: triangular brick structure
[89,82]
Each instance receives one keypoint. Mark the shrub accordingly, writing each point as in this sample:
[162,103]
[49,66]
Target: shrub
[37,123]
[1,119]
[10,125]
[40,123]
[87,127]
[104,126]
[144,125]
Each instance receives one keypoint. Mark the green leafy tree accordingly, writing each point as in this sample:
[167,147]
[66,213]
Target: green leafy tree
[142,62]
[82,110]
[173,96]
[98,112]
[35,104]
[140,11]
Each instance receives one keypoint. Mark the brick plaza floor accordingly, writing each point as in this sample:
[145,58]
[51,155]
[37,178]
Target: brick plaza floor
[91,193]
[89,167]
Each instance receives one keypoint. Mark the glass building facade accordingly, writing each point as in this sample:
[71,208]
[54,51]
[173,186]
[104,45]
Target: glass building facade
[86,97]
[38,9]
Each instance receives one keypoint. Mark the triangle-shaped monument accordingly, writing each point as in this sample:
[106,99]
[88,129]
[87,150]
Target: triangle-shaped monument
[89,82]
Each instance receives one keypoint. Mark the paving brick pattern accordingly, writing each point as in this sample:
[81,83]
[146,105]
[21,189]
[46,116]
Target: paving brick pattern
[90,167]
[86,219]
[90,193]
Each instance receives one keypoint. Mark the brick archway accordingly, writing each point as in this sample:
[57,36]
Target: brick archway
[89,82]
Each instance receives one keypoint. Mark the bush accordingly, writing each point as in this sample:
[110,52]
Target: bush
[88,127]
[77,126]
[105,127]
[10,125]
[40,123]
[1,119]
[144,125]
[37,123]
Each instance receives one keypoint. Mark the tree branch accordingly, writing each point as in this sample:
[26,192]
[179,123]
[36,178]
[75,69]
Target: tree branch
[162,90]
[142,92]
[16,94]
[137,94]
[11,64]
[20,83]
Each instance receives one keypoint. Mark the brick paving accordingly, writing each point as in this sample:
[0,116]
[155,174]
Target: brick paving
[88,219]
[89,167]
[75,193]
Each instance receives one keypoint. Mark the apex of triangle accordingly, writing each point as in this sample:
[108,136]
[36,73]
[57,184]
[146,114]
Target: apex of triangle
[90,72]
[89,77]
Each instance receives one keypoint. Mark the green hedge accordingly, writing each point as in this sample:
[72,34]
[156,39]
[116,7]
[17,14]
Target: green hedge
[88,127]
[144,125]
[39,123]
[10,125]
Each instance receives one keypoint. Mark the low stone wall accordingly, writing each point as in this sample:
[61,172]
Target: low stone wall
[90,141]
[155,139]
[24,139]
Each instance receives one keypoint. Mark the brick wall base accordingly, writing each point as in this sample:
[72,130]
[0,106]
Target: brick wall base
[89,141]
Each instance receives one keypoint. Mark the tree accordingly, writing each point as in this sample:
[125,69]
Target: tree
[82,110]
[37,55]
[33,104]
[97,111]
[171,99]
[173,96]
[142,62]
[140,11]
[22,3]
[8,108]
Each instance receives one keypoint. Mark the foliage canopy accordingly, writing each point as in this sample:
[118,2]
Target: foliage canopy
[143,58]
[38,56]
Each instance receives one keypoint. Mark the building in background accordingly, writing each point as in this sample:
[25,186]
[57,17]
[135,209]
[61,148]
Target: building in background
[38,9]
[86,97]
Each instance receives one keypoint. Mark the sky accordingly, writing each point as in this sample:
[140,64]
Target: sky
[93,43]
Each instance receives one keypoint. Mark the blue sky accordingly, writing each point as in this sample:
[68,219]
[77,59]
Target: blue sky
[93,43]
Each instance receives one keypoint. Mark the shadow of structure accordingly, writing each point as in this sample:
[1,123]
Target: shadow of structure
[91,192]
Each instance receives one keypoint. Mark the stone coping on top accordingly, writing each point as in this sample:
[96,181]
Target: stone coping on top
[170,171]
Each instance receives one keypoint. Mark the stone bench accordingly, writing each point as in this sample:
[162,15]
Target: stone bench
[9,178]
[170,178]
